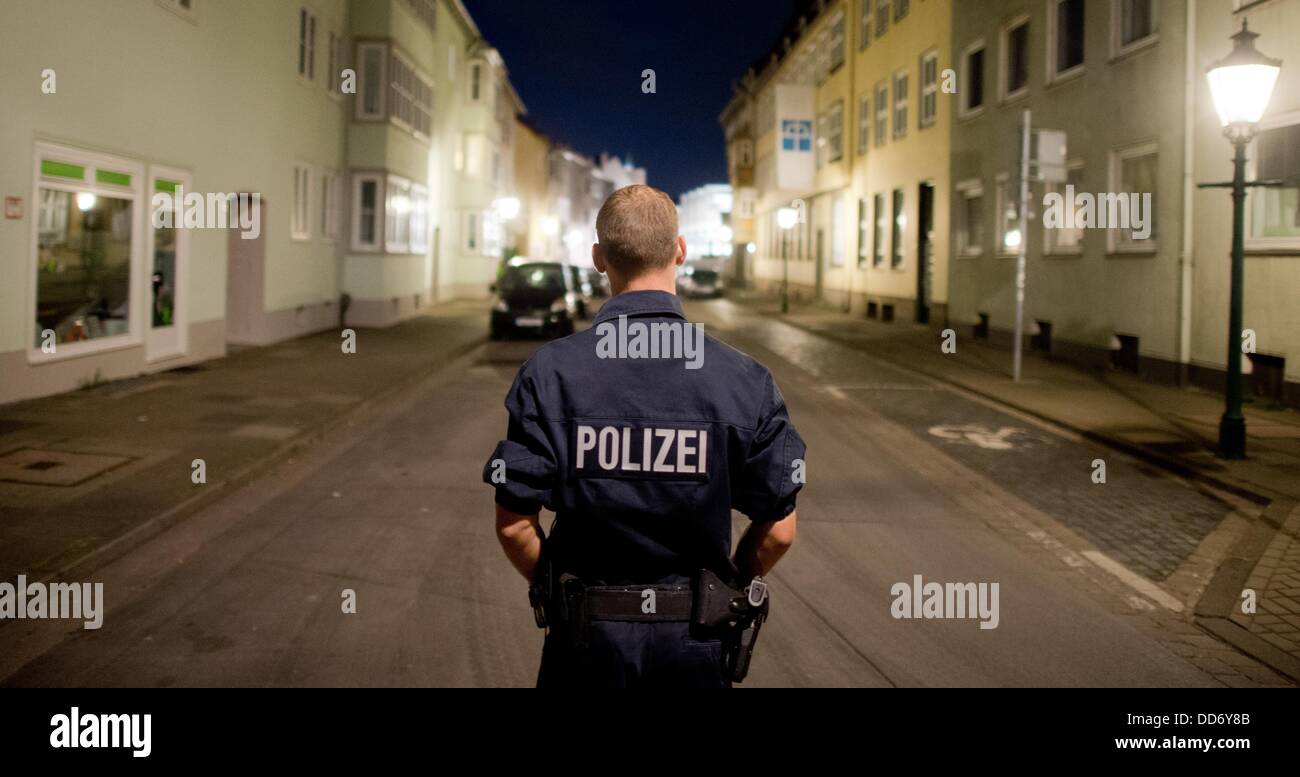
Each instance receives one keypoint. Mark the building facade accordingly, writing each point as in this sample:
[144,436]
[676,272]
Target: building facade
[1141,282]
[371,141]
[870,188]
[704,219]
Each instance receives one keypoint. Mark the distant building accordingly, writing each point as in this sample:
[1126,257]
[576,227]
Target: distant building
[704,219]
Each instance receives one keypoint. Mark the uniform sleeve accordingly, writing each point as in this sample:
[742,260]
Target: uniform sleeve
[522,467]
[774,467]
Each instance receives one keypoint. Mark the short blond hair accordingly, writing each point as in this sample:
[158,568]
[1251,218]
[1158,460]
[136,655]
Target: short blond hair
[637,230]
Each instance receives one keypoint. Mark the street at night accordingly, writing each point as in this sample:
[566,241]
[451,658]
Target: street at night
[362,351]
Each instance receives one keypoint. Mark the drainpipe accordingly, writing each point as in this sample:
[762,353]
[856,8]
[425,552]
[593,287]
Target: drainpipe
[1185,260]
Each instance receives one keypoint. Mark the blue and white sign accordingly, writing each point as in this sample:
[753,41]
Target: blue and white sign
[795,107]
[796,135]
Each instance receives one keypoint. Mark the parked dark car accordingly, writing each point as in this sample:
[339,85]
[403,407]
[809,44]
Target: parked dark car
[599,282]
[535,298]
[582,290]
[699,282]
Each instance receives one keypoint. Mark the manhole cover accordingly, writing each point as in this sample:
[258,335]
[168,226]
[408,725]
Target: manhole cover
[55,468]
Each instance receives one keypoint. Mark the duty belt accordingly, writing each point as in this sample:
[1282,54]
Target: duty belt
[631,604]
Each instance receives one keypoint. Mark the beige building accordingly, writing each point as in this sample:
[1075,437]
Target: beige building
[875,194]
[1126,81]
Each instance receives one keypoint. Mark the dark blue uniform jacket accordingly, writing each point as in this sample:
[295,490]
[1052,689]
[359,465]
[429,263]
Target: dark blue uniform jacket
[642,459]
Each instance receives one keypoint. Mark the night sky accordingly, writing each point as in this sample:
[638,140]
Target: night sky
[577,66]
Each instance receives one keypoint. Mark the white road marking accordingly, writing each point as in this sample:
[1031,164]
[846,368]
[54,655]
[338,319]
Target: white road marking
[1134,580]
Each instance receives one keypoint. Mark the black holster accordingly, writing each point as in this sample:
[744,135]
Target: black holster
[725,612]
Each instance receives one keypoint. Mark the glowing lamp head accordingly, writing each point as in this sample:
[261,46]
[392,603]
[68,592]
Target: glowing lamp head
[85,201]
[786,218]
[1242,84]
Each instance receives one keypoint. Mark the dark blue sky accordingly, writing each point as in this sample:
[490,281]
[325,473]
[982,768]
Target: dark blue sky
[577,65]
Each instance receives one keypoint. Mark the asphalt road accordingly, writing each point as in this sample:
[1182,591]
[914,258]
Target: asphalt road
[249,592]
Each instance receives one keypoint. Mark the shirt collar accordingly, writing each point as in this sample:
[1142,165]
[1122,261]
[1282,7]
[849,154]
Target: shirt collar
[640,303]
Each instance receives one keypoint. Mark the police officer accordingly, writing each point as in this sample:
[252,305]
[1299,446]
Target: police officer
[642,452]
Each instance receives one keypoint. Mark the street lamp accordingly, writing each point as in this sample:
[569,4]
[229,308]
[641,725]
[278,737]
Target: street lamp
[786,218]
[1241,86]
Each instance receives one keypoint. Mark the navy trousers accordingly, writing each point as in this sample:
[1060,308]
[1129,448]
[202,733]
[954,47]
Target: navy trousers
[632,655]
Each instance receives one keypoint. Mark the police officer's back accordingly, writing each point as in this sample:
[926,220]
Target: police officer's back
[642,434]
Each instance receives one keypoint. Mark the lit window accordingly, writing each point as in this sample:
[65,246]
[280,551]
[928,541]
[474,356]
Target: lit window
[900,104]
[410,97]
[929,89]
[882,18]
[882,112]
[864,123]
[882,229]
[1133,175]
[1275,212]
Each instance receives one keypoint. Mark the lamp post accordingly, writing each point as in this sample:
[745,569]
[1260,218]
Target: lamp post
[1241,86]
[786,218]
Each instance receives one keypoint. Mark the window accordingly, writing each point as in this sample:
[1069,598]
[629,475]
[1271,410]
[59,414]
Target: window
[475,81]
[419,217]
[929,89]
[1133,176]
[471,229]
[822,54]
[334,76]
[882,18]
[970,218]
[1135,24]
[366,190]
[410,97]
[864,123]
[87,246]
[972,81]
[397,215]
[1015,59]
[329,196]
[300,227]
[900,104]
[864,25]
[370,78]
[426,11]
[900,9]
[882,225]
[307,44]
[863,226]
[837,42]
[1066,26]
[1062,240]
[836,119]
[899,229]
[1275,212]
[882,112]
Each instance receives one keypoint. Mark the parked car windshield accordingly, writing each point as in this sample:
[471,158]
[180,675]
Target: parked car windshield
[533,277]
